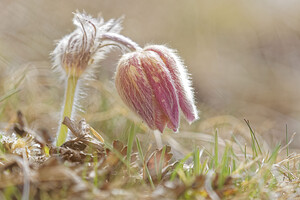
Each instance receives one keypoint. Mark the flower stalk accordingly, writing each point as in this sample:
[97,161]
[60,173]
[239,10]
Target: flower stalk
[121,40]
[68,108]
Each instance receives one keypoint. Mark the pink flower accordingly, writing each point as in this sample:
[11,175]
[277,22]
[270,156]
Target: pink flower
[154,83]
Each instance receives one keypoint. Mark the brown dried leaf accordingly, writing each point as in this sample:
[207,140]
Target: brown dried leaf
[19,126]
[112,158]
[8,166]
[50,162]
[157,165]
[67,154]
[75,144]
[199,182]
[74,155]
[118,145]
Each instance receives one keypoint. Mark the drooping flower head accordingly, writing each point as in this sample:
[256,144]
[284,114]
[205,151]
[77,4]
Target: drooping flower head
[84,46]
[154,83]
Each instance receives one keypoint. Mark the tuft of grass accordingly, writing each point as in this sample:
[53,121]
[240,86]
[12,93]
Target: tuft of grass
[179,167]
[254,142]
[274,154]
[224,166]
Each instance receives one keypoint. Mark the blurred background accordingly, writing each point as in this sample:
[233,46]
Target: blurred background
[243,56]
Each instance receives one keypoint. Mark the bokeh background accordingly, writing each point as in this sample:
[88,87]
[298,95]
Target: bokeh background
[243,56]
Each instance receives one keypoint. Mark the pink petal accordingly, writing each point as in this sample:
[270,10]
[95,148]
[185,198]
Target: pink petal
[180,78]
[170,126]
[134,88]
[160,118]
[162,85]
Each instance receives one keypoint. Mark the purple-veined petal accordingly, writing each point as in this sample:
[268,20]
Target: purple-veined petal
[180,78]
[134,88]
[162,85]
[159,117]
[171,126]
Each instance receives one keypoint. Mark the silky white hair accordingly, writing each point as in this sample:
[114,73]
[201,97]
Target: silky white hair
[84,44]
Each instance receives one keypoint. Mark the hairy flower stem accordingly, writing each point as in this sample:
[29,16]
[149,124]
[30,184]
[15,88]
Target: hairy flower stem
[121,40]
[67,109]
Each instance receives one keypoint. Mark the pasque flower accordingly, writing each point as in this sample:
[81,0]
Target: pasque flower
[154,83]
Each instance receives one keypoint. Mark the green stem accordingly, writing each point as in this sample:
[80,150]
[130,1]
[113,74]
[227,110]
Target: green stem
[68,107]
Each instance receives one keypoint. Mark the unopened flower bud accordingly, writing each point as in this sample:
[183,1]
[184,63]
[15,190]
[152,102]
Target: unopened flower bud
[154,83]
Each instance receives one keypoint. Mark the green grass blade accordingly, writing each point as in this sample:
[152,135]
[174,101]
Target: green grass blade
[197,161]
[234,159]
[179,166]
[9,94]
[140,151]
[117,153]
[237,142]
[224,167]
[216,150]
[161,162]
[254,139]
[204,164]
[254,151]
[274,154]
[149,177]
[287,148]
[130,142]
[141,155]
[245,152]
